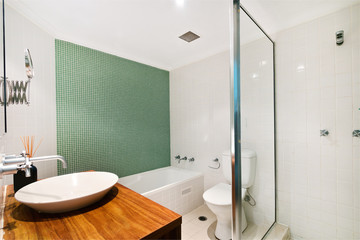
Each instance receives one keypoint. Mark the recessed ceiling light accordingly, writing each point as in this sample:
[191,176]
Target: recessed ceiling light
[189,36]
[180,3]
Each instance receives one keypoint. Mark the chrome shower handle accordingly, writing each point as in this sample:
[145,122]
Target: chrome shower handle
[324,133]
[180,159]
[356,133]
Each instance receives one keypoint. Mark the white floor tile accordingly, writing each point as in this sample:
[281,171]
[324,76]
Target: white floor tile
[194,229]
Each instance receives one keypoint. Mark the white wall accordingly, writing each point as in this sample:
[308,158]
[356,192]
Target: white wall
[318,87]
[38,119]
[200,115]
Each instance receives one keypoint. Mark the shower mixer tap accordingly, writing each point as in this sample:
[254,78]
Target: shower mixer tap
[324,133]
[356,133]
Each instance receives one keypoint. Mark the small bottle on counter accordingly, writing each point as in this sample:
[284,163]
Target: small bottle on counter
[20,180]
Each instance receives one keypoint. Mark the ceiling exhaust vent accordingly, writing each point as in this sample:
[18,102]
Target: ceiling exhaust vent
[189,36]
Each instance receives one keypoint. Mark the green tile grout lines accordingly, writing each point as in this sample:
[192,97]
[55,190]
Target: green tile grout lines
[112,113]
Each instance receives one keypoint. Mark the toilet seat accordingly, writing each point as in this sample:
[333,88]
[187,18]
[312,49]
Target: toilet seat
[220,194]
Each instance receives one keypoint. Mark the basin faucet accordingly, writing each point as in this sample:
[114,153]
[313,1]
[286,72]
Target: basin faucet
[11,163]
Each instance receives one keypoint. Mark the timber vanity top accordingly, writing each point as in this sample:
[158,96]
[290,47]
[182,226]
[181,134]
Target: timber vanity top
[121,214]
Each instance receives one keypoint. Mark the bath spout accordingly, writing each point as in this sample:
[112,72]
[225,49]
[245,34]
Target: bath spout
[181,159]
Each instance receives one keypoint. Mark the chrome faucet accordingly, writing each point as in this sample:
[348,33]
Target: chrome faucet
[184,158]
[11,163]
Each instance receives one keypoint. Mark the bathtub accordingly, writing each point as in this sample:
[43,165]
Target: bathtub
[178,189]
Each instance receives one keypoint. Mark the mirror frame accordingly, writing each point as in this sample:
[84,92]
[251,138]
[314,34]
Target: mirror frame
[4,65]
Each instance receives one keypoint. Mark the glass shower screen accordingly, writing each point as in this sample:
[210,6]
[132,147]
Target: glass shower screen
[254,113]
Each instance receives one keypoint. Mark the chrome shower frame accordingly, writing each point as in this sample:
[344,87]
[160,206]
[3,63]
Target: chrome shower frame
[235,111]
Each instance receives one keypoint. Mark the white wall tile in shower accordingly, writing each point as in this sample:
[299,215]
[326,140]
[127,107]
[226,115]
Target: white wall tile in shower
[323,172]
[257,125]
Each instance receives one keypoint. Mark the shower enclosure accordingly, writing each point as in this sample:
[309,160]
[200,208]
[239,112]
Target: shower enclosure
[253,125]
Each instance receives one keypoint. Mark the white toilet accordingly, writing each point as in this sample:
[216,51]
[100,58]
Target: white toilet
[218,198]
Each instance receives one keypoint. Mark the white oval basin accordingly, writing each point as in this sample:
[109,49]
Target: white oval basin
[66,192]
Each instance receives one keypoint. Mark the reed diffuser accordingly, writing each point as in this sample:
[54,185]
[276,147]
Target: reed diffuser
[20,179]
[29,142]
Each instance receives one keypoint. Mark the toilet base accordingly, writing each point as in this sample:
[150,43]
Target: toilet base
[223,227]
[223,230]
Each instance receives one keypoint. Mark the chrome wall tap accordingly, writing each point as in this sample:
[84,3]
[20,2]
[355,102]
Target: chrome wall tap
[182,159]
[324,133]
[10,164]
[27,165]
[356,133]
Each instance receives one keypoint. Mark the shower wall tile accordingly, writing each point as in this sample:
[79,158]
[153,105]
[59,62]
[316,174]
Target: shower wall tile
[329,98]
[257,120]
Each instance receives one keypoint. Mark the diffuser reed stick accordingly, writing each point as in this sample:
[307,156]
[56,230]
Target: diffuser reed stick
[28,142]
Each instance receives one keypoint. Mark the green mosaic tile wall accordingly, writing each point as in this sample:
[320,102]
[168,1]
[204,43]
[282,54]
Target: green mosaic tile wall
[112,113]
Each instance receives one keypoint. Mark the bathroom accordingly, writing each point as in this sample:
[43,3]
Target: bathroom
[126,95]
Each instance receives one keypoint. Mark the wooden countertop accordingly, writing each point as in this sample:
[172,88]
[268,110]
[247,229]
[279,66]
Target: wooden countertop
[121,214]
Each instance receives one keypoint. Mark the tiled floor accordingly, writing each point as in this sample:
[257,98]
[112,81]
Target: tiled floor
[194,229]
[254,232]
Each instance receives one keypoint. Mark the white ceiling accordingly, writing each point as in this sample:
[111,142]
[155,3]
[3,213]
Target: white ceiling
[249,32]
[277,15]
[147,31]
